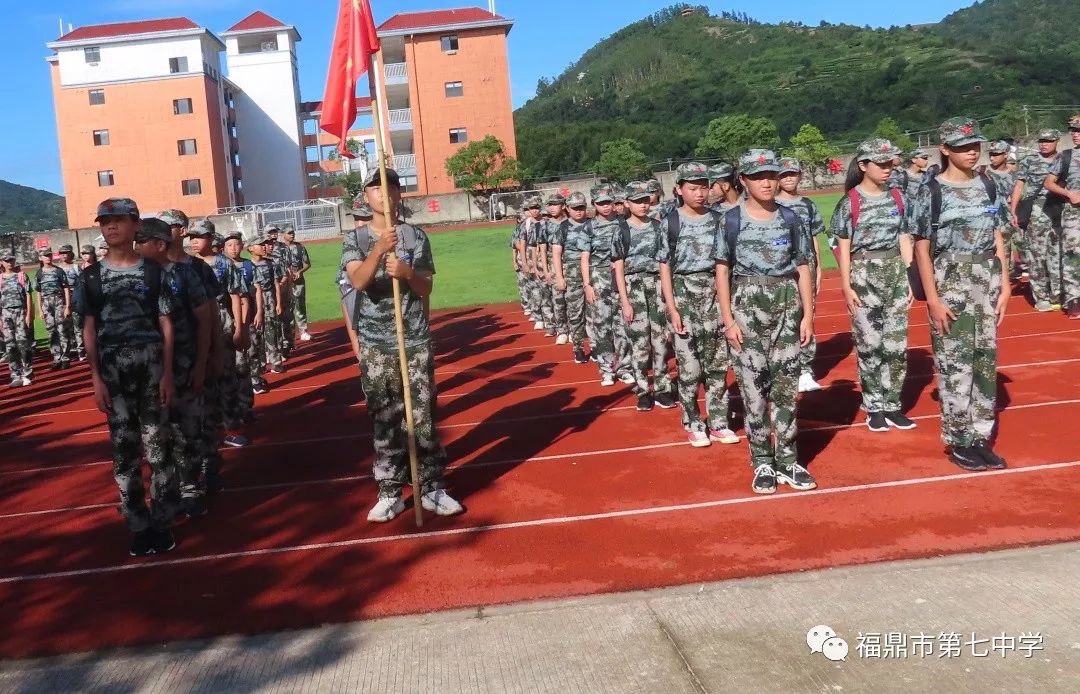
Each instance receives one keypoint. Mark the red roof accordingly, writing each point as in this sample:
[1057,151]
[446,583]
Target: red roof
[256,20]
[438,18]
[362,102]
[148,26]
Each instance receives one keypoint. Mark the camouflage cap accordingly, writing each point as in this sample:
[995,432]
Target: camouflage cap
[86,249]
[790,165]
[619,194]
[533,202]
[654,185]
[117,207]
[217,240]
[717,172]
[691,171]
[603,193]
[637,190]
[288,228]
[878,150]
[555,199]
[1074,122]
[232,235]
[102,243]
[174,217]
[577,200]
[259,240]
[919,154]
[999,147]
[374,179]
[153,229]
[67,248]
[960,131]
[47,250]
[271,230]
[8,256]
[758,161]
[201,227]
[1049,135]
[359,210]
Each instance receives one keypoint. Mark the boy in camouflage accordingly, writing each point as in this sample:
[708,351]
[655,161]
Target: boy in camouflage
[535,243]
[129,343]
[542,256]
[874,250]
[54,303]
[723,191]
[596,277]
[73,322]
[635,256]
[1064,180]
[961,256]
[572,240]
[556,205]
[688,277]
[908,180]
[763,279]
[265,325]
[518,263]
[1004,180]
[245,400]
[299,263]
[372,256]
[1040,238]
[16,315]
[788,196]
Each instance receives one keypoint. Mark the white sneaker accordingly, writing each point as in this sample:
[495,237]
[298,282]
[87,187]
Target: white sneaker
[607,381]
[538,325]
[385,509]
[26,380]
[440,503]
[808,384]
[724,435]
[562,339]
[305,336]
[698,439]
[626,377]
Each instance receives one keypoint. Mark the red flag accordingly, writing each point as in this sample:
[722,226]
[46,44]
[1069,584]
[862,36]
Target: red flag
[355,41]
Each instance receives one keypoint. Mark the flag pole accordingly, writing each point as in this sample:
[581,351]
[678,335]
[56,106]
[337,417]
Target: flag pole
[399,323]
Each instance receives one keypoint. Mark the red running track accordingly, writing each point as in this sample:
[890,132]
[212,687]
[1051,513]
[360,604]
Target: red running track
[570,491]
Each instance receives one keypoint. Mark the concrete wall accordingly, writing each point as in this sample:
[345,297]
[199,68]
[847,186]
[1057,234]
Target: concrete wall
[138,59]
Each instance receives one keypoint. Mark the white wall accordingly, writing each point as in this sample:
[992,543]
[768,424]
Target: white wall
[268,127]
[145,59]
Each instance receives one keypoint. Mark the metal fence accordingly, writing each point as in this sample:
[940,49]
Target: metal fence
[313,219]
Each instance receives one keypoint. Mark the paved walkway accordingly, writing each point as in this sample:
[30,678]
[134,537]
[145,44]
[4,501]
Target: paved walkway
[747,635]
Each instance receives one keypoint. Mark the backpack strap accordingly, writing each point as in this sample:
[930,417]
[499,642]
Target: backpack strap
[856,207]
[249,271]
[95,298]
[791,221]
[22,279]
[991,187]
[732,221]
[672,232]
[624,232]
[898,198]
[152,276]
[1066,163]
[935,203]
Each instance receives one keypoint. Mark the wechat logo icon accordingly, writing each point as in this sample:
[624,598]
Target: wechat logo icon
[822,639]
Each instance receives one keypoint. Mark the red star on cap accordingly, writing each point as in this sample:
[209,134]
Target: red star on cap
[762,159]
[886,147]
[967,130]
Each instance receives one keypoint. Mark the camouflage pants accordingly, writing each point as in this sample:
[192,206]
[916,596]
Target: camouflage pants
[186,424]
[52,307]
[966,358]
[213,431]
[1043,258]
[138,425]
[701,355]
[575,301]
[646,333]
[536,298]
[523,289]
[381,380]
[287,338]
[601,317]
[229,384]
[558,302]
[1014,245]
[15,340]
[245,373]
[767,367]
[807,353]
[264,348]
[880,330]
[73,330]
[299,304]
[1070,253]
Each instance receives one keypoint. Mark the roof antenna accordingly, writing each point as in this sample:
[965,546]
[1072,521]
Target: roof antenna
[61,26]
[491,6]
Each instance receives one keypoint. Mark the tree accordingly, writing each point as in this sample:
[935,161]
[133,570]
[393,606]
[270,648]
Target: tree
[353,185]
[811,148]
[621,161]
[729,136]
[889,129]
[1010,123]
[482,167]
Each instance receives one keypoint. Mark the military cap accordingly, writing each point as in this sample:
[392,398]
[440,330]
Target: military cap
[637,190]
[619,194]
[67,248]
[919,154]
[232,235]
[556,199]
[102,243]
[288,228]
[8,256]
[117,207]
[758,161]
[86,249]
[999,147]
[202,227]
[691,171]
[174,218]
[960,131]
[217,240]
[259,240]
[360,209]
[271,230]
[603,193]
[654,185]
[1049,135]
[1074,122]
[533,202]
[790,165]
[577,200]
[45,251]
[878,150]
[153,229]
[717,172]
[374,179]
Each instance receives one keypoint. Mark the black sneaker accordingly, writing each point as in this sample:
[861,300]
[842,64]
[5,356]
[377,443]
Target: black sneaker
[163,541]
[993,460]
[277,369]
[665,401]
[55,366]
[876,422]
[550,332]
[644,402]
[797,477]
[899,421]
[195,506]
[142,545]
[764,479]
[579,356]
[967,458]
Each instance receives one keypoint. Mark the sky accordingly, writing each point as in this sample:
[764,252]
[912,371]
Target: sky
[542,44]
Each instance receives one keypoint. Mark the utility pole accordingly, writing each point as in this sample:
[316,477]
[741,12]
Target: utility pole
[1027,124]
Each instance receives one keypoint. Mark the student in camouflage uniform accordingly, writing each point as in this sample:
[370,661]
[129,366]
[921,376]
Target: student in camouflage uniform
[765,288]
[520,267]
[807,209]
[618,207]
[16,313]
[54,303]
[533,236]
[544,275]
[265,325]
[908,180]
[1004,180]
[1040,238]
[362,216]
[129,343]
[962,264]
[73,322]
[299,263]
[277,255]
[635,255]
[402,252]
[873,255]
[232,246]
[1067,186]
[688,277]
[596,277]
[723,188]
[556,205]
[621,339]
[570,244]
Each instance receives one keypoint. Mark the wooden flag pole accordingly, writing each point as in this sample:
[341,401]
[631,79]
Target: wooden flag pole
[399,323]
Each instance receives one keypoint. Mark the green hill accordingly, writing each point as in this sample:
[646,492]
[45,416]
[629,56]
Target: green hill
[29,209]
[662,79]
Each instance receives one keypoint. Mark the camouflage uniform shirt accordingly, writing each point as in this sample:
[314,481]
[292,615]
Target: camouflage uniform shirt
[598,243]
[187,292]
[765,247]
[1033,171]
[12,293]
[127,319]
[1005,181]
[808,212]
[51,281]
[695,247]
[1072,181]
[642,254]
[265,276]
[880,223]
[576,240]
[968,219]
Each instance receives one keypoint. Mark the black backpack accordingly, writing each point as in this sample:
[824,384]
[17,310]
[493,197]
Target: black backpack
[733,220]
[407,233]
[1055,203]
[95,295]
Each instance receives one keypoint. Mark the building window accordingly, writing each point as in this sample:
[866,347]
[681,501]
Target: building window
[236,159]
[191,186]
[186,147]
[92,55]
[454,89]
[458,135]
[104,178]
[97,97]
[181,107]
[311,154]
[101,137]
[311,126]
[409,184]
[178,65]
[449,43]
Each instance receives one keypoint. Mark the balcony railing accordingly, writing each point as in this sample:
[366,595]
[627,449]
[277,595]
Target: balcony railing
[405,162]
[396,73]
[400,119]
